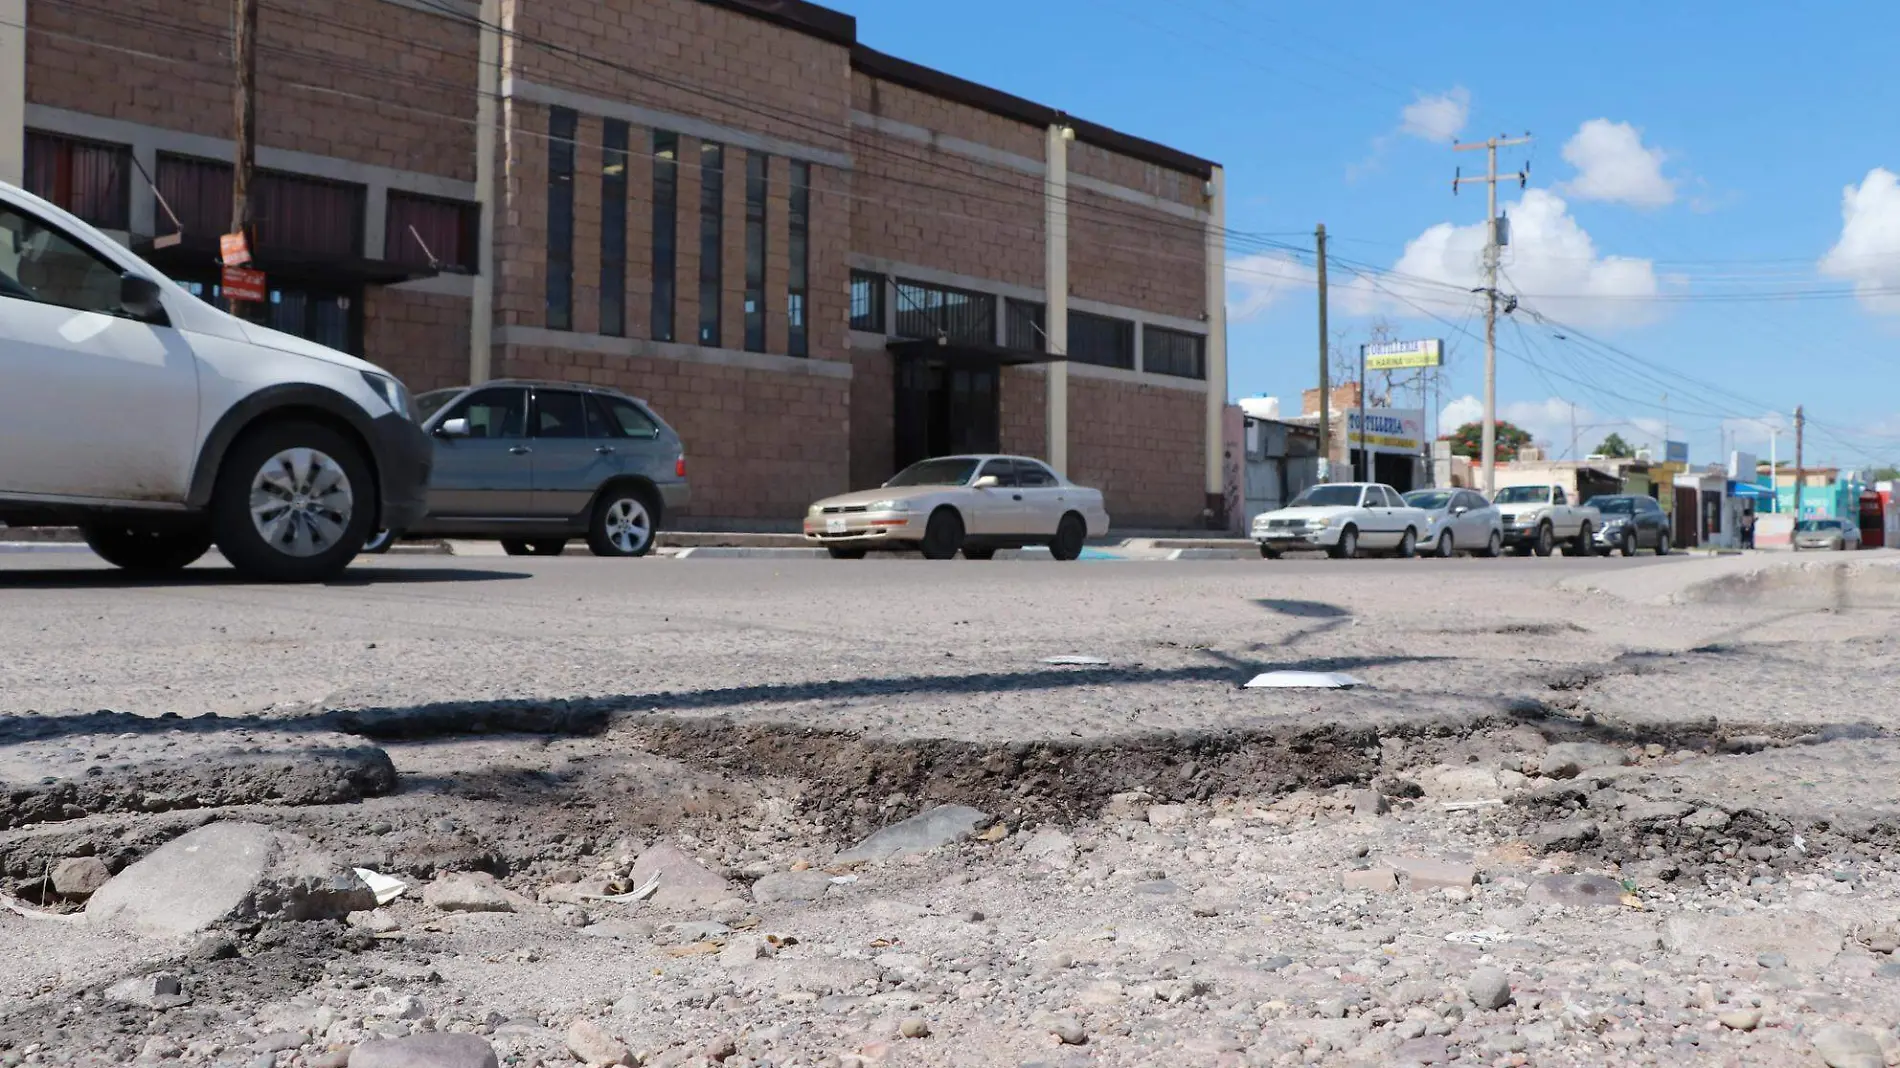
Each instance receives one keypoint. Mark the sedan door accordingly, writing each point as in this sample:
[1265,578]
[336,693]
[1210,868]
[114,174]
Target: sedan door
[1045,498]
[1384,523]
[489,473]
[1475,525]
[96,403]
[997,511]
[570,463]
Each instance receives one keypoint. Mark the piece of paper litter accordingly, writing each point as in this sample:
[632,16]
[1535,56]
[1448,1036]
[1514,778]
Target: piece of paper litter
[1302,680]
[1076,661]
[385,888]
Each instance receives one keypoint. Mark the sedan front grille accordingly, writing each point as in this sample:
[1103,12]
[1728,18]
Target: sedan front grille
[845,509]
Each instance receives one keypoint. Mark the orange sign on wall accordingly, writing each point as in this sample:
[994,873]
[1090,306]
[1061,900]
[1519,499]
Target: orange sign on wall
[234,250]
[242,284]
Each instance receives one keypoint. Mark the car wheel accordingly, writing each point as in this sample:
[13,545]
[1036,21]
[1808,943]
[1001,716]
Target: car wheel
[1629,543]
[142,550]
[380,542]
[943,535]
[1662,544]
[1580,545]
[294,502]
[978,554]
[1408,544]
[1445,548]
[1546,540]
[1348,545]
[1071,533]
[845,554]
[1269,554]
[1494,547]
[622,524]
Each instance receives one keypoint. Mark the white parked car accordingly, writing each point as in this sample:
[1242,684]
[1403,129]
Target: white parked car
[160,425]
[1540,518]
[969,504]
[1458,521]
[1341,518]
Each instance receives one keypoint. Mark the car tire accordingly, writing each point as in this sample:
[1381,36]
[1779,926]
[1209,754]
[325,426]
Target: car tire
[1269,554]
[1629,543]
[622,523]
[978,554]
[1071,535]
[1408,545]
[845,554]
[1494,547]
[1347,547]
[943,535]
[1662,544]
[1546,540]
[380,542]
[1581,544]
[312,521]
[1446,547]
[144,550]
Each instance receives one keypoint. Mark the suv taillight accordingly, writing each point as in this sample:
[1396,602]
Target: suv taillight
[679,466]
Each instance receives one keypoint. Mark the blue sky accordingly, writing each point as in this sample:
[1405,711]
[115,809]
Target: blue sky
[1687,182]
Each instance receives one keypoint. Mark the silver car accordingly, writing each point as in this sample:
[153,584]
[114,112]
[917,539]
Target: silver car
[1836,534]
[1458,521]
[969,504]
[534,464]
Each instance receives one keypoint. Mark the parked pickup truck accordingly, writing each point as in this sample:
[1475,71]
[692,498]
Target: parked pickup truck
[1341,518]
[1539,518]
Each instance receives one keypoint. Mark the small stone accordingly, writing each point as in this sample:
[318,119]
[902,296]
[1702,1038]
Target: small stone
[995,833]
[1331,1008]
[1369,803]
[791,886]
[1567,760]
[1706,819]
[1741,1019]
[921,833]
[159,990]
[1431,873]
[281,1041]
[1168,815]
[1488,988]
[1049,847]
[1771,960]
[721,1048]
[742,950]
[1066,1028]
[1655,811]
[1564,836]
[467,891]
[594,1046]
[446,1050]
[1575,890]
[1274,964]
[913,1027]
[77,877]
[1654,751]
[1841,1046]
[685,883]
[1378,880]
[973,916]
[375,921]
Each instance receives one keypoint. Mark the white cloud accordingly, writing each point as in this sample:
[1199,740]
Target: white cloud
[1549,422]
[1868,252]
[1437,117]
[1613,165]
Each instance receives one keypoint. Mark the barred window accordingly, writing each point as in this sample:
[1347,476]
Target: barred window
[712,204]
[1023,326]
[1100,340]
[666,150]
[931,311]
[756,164]
[419,225]
[797,337]
[560,249]
[1173,352]
[613,227]
[87,178]
[867,301]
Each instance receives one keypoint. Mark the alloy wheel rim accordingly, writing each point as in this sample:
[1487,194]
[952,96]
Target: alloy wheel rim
[301,502]
[628,525]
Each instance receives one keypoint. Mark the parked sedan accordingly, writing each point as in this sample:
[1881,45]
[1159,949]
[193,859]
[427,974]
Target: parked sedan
[1458,520]
[1631,522]
[1836,534]
[969,504]
[534,464]
[1341,518]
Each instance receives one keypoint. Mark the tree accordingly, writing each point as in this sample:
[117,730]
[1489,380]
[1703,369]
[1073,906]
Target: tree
[1616,448]
[1468,440]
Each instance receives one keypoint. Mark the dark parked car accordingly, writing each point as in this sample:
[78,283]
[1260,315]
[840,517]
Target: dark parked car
[1631,522]
[535,464]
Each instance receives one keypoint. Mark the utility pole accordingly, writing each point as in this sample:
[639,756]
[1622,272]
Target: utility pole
[1800,423]
[1365,458]
[1489,452]
[244,57]
[1774,469]
[1325,374]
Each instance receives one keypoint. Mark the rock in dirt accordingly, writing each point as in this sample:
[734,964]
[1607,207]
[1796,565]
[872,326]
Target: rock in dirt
[76,878]
[425,1051]
[156,991]
[1378,880]
[1841,1046]
[594,1046]
[791,886]
[1049,847]
[1706,819]
[1564,836]
[1577,891]
[1741,1019]
[1488,988]
[685,883]
[467,891]
[1066,1028]
[914,1027]
[921,833]
[1805,939]
[227,871]
[1655,811]
[1369,803]
[1432,873]
[1567,760]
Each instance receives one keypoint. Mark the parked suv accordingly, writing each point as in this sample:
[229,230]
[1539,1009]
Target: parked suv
[160,425]
[534,464]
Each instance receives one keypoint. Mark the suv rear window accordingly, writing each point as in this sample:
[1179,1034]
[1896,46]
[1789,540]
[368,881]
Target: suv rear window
[624,419]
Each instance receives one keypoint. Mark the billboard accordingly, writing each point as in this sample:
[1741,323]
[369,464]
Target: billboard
[1402,355]
[1389,429]
[1675,452]
[1743,466]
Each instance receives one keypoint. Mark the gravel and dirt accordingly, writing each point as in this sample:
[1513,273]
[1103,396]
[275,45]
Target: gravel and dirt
[808,813]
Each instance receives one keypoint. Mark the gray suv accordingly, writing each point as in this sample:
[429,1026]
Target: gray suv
[534,464]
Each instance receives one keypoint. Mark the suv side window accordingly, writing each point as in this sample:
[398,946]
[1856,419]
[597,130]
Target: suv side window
[40,263]
[1557,496]
[494,413]
[559,413]
[626,420]
[1004,471]
[1031,473]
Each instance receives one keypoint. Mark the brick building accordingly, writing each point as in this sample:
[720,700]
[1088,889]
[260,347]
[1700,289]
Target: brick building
[818,261]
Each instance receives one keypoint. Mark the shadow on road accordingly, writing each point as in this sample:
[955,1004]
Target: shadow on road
[1303,609]
[94,578]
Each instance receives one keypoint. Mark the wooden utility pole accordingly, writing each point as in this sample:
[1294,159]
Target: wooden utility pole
[1325,374]
[1800,476]
[1489,452]
[244,58]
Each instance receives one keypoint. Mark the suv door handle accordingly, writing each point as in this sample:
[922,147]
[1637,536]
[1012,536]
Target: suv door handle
[519,450]
[1017,496]
[605,450]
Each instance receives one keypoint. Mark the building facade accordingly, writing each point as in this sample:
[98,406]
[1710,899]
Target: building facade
[818,261]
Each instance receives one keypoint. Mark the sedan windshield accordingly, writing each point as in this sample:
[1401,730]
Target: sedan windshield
[431,402]
[1813,526]
[1430,500]
[1327,497]
[1614,505]
[1523,495]
[952,471]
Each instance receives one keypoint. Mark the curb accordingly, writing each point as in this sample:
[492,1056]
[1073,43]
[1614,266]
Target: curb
[730,552]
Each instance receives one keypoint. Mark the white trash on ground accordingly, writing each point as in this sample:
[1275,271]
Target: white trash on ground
[385,888]
[1076,661]
[1302,680]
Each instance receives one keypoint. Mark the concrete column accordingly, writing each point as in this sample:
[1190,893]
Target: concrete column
[1216,348]
[1055,199]
[13,91]
[481,322]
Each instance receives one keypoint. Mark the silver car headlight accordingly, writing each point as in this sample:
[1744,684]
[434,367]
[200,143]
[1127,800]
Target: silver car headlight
[391,391]
[1323,521]
[889,506]
[816,509]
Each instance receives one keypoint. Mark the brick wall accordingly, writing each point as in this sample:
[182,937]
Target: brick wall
[1142,446]
[1125,254]
[421,338]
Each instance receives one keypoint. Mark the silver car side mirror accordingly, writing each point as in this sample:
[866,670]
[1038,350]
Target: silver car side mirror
[453,428]
[986,482]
